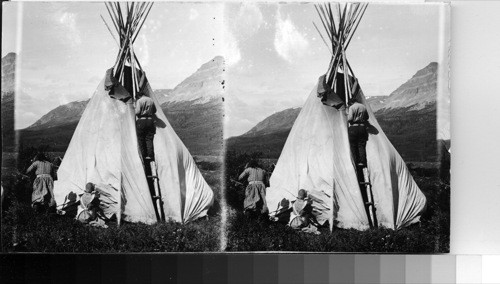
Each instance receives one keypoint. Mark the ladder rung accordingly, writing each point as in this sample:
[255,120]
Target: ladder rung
[364,183]
[368,203]
[155,198]
[152,176]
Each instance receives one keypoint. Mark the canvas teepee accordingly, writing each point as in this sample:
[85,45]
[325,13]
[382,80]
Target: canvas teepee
[317,156]
[104,149]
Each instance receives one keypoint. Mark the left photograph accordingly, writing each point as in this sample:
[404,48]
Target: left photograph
[112,127]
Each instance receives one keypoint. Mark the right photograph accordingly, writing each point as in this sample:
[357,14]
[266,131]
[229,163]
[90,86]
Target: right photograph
[337,127]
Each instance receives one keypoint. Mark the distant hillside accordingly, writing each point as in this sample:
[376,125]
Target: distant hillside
[407,116]
[8,72]
[8,100]
[417,92]
[57,138]
[270,145]
[163,95]
[275,123]
[412,132]
[376,102]
[62,115]
[199,126]
[193,108]
[204,85]
[71,112]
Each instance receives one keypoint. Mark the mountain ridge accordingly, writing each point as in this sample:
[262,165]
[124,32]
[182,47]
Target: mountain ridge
[285,120]
[203,86]
[211,89]
[8,99]
[408,115]
[8,72]
[417,92]
[188,115]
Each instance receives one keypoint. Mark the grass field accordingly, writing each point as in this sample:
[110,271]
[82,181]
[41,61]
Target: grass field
[431,235]
[25,231]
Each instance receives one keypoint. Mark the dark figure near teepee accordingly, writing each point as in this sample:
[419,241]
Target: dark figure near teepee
[358,135]
[42,198]
[145,110]
[255,193]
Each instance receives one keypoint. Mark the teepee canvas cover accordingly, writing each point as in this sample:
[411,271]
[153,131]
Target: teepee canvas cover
[104,151]
[317,157]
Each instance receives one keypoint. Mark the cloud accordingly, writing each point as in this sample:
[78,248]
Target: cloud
[68,22]
[94,79]
[248,20]
[231,50]
[142,50]
[151,26]
[288,41]
[193,14]
[243,19]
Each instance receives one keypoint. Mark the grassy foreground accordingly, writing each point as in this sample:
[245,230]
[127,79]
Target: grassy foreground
[26,231]
[431,235]
[258,235]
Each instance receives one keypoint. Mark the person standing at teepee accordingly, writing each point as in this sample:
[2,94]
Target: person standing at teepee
[357,117]
[145,110]
[255,193]
[42,198]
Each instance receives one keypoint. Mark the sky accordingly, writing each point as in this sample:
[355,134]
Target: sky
[274,54]
[65,49]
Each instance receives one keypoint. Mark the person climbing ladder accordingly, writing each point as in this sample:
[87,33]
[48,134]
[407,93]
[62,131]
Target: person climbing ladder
[358,136]
[145,110]
[357,117]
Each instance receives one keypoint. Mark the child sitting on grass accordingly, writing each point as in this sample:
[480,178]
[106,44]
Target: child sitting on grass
[301,216]
[282,213]
[89,211]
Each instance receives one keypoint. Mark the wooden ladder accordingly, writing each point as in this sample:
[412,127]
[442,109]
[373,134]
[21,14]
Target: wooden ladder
[156,194]
[369,203]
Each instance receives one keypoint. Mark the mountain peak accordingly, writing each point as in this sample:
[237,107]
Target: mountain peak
[8,63]
[9,57]
[8,72]
[215,63]
[203,85]
[216,60]
[429,69]
[417,92]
